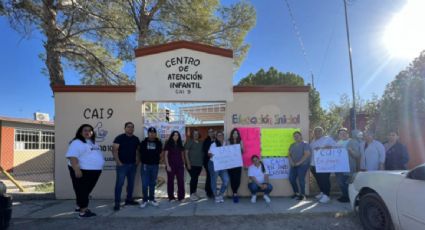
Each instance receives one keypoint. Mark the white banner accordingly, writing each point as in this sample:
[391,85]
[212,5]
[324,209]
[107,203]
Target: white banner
[278,167]
[227,157]
[164,129]
[331,160]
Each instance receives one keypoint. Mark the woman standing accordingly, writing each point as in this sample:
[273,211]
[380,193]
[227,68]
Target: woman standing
[299,159]
[85,163]
[235,173]
[194,161]
[214,174]
[259,180]
[174,161]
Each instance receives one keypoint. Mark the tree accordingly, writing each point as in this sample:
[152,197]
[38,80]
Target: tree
[202,21]
[403,101]
[274,77]
[74,33]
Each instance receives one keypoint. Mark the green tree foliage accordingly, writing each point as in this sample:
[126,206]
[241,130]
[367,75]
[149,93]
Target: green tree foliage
[74,34]
[274,77]
[203,21]
[403,100]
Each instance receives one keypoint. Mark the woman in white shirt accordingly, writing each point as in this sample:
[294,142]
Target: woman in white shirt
[259,180]
[85,163]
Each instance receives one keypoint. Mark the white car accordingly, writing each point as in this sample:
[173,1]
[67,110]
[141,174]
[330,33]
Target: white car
[390,199]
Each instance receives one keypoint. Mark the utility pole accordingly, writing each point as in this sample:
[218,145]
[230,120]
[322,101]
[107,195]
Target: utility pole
[353,113]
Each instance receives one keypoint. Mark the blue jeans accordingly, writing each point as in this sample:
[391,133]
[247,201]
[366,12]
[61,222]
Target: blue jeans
[299,173]
[342,179]
[123,171]
[254,188]
[149,174]
[214,175]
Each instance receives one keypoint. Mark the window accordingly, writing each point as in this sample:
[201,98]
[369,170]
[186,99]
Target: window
[34,139]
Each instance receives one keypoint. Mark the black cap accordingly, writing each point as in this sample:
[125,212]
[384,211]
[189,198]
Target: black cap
[151,130]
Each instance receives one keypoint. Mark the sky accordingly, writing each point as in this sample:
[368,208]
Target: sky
[274,43]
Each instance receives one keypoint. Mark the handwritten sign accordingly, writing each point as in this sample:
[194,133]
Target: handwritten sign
[227,157]
[251,144]
[331,160]
[276,142]
[278,167]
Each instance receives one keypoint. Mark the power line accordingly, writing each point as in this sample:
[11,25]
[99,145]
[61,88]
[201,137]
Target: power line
[300,41]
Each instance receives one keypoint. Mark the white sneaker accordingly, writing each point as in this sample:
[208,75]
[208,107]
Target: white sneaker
[143,204]
[217,199]
[324,199]
[318,196]
[221,198]
[154,203]
[266,198]
[253,199]
[194,197]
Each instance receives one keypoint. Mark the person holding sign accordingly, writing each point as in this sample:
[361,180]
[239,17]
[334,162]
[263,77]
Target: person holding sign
[194,161]
[235,173]
[299,159]
[174,161]
[214,174]
[259,180]
[321,141]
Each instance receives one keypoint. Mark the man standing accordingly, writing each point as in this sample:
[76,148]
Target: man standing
[373,154]
[321,142]
[150,154]
[205,148]
[353,156]
[125,149]
[396,155]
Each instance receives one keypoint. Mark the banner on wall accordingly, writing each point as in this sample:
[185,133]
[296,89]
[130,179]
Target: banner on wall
[276,142]
[278,167]
[331,160]
[227,157]
[251,144]
[164,129]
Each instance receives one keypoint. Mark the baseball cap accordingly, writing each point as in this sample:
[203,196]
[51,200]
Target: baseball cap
[151,130]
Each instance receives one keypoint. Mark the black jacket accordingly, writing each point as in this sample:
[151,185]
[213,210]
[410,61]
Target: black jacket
[396,157]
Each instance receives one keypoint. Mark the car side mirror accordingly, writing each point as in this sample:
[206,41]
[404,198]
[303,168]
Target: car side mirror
[417,173]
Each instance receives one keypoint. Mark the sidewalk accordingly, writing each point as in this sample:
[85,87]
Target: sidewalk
[46,209]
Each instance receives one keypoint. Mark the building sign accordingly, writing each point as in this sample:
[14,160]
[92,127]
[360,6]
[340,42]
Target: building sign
[184,75]
[266,119]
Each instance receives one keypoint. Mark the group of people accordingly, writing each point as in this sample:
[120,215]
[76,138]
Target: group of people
[85,163]
[364,154]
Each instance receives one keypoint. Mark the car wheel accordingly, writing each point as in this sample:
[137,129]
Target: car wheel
[373,213]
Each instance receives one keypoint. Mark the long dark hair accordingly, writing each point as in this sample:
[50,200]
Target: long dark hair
[217,142]
[79,133]
[263,169]
[238,140]
[170,142]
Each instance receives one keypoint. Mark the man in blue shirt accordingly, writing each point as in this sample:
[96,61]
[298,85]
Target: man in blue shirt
[125,149]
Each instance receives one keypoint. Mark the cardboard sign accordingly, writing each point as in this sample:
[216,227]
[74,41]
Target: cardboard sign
[331,160]
[227,157]
[278,167]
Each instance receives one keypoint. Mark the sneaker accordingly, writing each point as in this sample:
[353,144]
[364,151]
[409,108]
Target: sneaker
[77,209]
[267,198]
[343,199]
[221,199]
[217,199]
[194,197]
[86,214]
[116,207]
[154,203]
[235,199]
[318,196]
[143,204]
[301,197]
[171,200]
[131,202]
[253,199]
[294,196]
[324,199]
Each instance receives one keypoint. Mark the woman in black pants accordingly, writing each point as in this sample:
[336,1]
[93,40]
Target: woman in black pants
[85,163]
[235,173]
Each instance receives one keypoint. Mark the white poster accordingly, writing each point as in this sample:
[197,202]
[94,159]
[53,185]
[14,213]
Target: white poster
[278,167]
[227,157]
[164,129]
[331,160]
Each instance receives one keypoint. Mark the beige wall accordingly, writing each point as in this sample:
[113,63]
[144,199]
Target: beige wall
[269,103]
[73,109]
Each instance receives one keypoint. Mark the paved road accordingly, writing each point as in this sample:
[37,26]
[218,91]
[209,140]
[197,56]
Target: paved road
[258,222]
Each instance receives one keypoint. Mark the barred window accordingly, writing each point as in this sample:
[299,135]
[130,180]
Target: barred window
[34,139]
